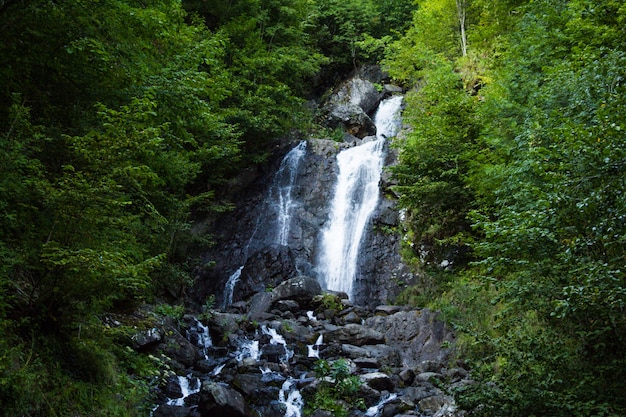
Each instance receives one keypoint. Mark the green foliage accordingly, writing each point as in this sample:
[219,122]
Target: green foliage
[536,167]
[87,374]
[435,160]
[168,310]
[331,302]
[118,122]
[337,389]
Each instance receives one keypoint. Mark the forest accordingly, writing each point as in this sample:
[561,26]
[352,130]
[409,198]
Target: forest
[125,123]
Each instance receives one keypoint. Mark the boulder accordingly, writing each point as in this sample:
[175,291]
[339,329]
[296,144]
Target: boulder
[260,305]
[256,388]
[438,405]
[383,354]
[274,353]
[179,349]
[416,394]
[418,335]
[355,334]
[219,400]
[351,118]
[360,92]
[350,105]
[222,324]
[300,288]
[146,339]
[265,268]
[378,380]
[386,310]
[429,377]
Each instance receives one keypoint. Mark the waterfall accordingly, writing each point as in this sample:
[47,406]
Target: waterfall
[280,203]
[376,410]
[198,335]
[229,288]
[355,199]
[282,186]
[314,349]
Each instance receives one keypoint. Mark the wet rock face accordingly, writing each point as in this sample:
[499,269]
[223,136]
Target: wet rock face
[400,356]
[264,269]
[267,264]
[218,400]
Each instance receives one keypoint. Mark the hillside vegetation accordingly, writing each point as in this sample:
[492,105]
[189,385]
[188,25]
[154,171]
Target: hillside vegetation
[513,178]
[123,122]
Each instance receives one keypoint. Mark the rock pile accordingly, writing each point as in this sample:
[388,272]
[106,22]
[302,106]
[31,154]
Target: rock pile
[262,356]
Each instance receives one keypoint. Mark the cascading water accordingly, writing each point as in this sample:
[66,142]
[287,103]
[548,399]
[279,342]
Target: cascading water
[188,385]
[291,398]
[314,349]
[355,199]
[229,288]
[280,203]
[198,335]
[376,410]
[282,186]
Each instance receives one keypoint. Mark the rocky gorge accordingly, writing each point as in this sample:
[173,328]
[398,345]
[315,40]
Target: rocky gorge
[263,358]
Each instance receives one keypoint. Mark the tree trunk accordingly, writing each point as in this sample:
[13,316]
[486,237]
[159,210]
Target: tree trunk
[461,9]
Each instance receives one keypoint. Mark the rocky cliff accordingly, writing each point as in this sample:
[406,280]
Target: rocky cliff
[245,237]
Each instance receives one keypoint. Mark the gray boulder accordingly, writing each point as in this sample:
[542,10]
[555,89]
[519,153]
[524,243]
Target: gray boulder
[265,268]
[219,400]
[378,380]
[355,334]
[349,107]
[146,339]
[300,288]
[418,335]
[223,324]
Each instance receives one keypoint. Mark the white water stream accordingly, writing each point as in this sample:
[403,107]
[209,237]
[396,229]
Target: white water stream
[291,397]
[281,203]
[355,199]
[283,183]
[188,385]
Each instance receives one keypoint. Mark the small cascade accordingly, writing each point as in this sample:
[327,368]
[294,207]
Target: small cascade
[291,398]
[355,199]
[277,339]
[229,288]
[376,410]
[248,349]
[188,385]
[387,119]
[314,349]
[198,335]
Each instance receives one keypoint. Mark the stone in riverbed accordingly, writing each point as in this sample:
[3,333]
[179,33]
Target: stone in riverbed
[378,380]
[218,400]
[355,334]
